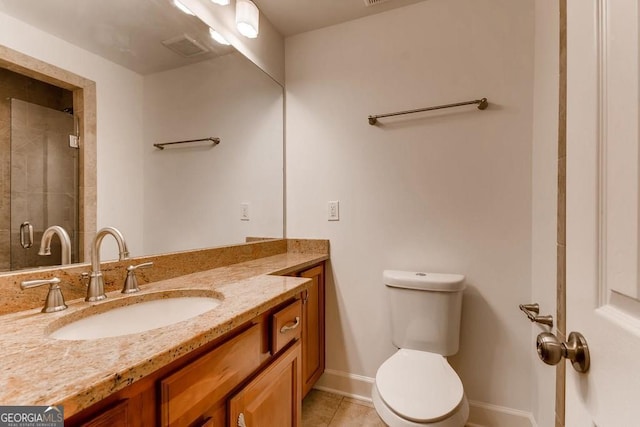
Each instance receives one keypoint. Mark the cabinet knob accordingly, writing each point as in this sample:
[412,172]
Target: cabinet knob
[241,422]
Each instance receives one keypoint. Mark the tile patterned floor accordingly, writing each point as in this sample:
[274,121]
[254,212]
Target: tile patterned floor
[322,409]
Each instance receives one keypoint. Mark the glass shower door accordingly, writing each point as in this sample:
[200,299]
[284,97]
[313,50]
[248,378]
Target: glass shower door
[44,182]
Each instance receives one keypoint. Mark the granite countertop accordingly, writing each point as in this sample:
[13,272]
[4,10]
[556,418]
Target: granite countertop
[38,370]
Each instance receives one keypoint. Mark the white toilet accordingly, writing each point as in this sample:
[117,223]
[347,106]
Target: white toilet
[417,386]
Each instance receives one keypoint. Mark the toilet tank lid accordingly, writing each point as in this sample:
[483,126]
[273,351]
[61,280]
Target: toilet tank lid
[424,281]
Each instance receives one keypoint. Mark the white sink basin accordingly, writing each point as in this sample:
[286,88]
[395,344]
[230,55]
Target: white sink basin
[138,317]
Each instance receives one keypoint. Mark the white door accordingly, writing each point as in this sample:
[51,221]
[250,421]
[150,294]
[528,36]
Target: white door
[603,222]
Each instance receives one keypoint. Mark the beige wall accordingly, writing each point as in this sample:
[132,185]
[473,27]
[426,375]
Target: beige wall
[243,107]
[448,191]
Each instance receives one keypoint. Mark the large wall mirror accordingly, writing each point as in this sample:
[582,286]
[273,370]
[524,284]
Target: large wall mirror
[158,77]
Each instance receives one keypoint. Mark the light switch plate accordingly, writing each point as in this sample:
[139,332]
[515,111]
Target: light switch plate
[244,211]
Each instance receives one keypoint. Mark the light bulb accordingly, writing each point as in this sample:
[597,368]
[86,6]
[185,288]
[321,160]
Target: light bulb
[182,7]
[218,37]
[247,18]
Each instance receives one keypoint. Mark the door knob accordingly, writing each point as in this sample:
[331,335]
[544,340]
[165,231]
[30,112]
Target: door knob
[551,350]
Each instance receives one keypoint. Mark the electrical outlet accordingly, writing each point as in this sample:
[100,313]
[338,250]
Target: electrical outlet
[334,211]
[73,141]
[244,211]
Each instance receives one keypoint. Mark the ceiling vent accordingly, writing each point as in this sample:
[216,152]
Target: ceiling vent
[374,2]
[185,46]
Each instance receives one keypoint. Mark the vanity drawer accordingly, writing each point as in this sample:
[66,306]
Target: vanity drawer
[286,325]
[189,392]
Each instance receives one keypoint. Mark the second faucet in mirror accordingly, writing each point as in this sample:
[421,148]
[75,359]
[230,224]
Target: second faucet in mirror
[65,243]
[95,291]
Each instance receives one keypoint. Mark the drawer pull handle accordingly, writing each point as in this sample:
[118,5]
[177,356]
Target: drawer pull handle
[241,422]
[286,328]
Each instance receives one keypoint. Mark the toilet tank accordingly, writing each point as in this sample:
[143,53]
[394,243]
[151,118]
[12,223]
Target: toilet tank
[425,310]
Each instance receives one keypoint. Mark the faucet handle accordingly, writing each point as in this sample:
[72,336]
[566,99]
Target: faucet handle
[55,300]
[143,265]
[131,282]
[85,277]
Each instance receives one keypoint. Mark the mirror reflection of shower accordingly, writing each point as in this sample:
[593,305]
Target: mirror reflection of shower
[40,173]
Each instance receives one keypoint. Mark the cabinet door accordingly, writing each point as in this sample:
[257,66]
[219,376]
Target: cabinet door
[193,390]
[115,416]
[313,329]
[273,398]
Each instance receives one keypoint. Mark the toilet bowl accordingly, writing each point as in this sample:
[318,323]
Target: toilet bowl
[417,388]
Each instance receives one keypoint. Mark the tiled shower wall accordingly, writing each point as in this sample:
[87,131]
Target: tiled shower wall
[14,85]
[44,180]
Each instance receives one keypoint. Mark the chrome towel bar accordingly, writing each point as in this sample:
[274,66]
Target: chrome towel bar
[214,141]
[482,105]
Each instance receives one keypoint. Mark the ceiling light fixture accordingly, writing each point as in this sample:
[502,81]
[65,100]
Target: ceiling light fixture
[182,7]
[247,18]
[218,37]
[221,2]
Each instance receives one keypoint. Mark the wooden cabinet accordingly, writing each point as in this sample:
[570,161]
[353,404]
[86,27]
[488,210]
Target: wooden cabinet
[273,398]
[313,333]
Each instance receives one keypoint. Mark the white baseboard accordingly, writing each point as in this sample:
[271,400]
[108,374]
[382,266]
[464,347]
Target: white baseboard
[345,384]
[480,414]
[487,415]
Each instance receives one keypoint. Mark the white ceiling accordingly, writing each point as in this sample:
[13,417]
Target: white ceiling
[298,16]
[130,32]
[127,32]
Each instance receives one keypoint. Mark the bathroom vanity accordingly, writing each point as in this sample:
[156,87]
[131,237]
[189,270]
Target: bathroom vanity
[254,356]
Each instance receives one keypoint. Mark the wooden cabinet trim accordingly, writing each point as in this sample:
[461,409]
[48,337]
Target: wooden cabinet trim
[313,332]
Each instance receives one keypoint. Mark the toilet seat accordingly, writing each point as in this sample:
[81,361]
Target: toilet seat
[419,386]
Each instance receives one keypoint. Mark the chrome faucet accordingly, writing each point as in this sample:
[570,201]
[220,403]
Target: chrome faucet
[95,291]
[65,243]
